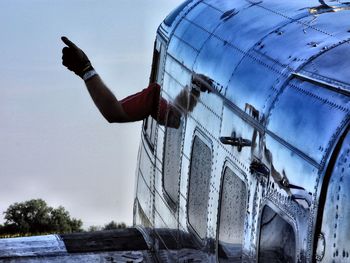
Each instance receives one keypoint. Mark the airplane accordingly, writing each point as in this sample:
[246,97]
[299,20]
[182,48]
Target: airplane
[256,167]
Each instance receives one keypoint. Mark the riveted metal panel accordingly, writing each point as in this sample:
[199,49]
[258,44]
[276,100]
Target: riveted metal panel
[160,148]
[289,9]
[191,126]
[208,110]
[143,211]
[171,21]
[287,164]
[214,196]
[191,34]
[183,191]
[198,120]
[334,23]
[292,188]
[182,51]
[144,183]
[195,12]
[171,89]
[175,92]
[217,60]
[332,66]
[334,240]
[165,216]
[177,71]
[303,109]
[248,26]
[205,16]
[163,210]
[233,125]
[176,77]
[224,5]
[256,82]
[294,44]
[215,39]
[196,125]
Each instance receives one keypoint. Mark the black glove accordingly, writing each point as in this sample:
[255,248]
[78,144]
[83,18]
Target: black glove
[75,59]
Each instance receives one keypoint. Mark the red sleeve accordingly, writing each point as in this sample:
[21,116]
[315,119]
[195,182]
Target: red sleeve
[144,103]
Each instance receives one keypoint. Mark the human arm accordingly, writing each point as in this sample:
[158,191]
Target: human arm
[105,101]
[77,61]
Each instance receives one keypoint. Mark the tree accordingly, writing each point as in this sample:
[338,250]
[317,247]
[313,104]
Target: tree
[62,223]
[110,226]
[36,217]
[113,225]
[94,228]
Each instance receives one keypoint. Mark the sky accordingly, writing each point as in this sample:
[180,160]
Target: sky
[54,144]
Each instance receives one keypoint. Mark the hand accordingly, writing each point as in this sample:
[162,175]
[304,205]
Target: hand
[75,59]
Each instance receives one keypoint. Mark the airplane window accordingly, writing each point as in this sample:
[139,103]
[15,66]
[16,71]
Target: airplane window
[277,239]
[200,170]
[232,216]
[172,161]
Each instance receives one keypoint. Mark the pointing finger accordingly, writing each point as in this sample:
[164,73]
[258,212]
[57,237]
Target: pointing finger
[69,43]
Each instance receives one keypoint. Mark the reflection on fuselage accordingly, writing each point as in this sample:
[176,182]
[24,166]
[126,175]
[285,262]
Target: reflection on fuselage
[186,100]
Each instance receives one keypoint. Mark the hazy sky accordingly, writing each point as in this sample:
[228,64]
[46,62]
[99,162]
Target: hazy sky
[54,144]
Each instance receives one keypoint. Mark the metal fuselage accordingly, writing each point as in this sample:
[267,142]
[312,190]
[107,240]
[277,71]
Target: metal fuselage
[249,157]
[258,166]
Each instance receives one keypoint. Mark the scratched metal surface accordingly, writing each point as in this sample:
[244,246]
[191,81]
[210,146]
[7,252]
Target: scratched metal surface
[122,245]
[331,66]
[31,246]
[96,257]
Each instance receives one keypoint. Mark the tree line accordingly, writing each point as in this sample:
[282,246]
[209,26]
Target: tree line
[35,217]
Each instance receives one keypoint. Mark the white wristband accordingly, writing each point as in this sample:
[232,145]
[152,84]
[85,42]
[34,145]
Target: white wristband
[89,74]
